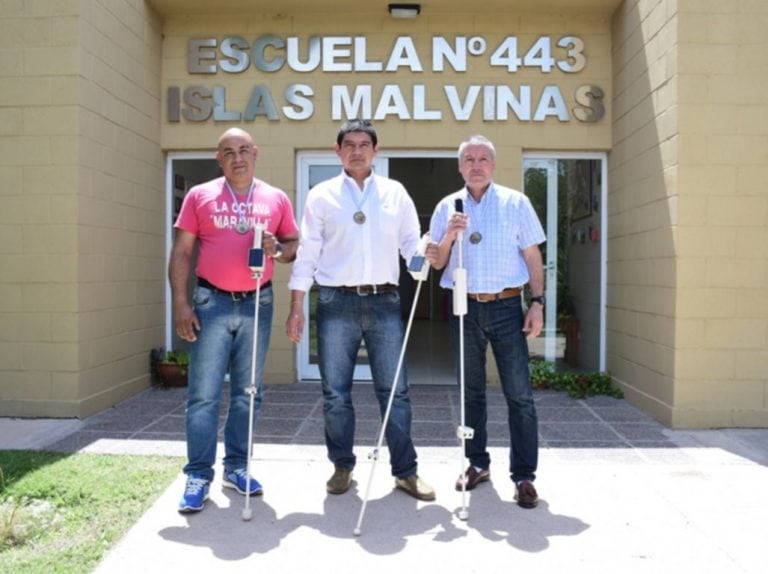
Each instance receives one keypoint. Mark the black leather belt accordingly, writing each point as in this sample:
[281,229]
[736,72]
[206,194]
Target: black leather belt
[363,290]
[236,295]
[489,297]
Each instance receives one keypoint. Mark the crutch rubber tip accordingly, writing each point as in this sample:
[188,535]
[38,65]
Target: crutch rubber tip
[463,514]
[247,514]
[357,532]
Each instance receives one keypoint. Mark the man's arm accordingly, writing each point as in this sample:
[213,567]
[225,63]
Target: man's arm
[438,254]
[288,246]
[294,326]
[534,319]
[179,269]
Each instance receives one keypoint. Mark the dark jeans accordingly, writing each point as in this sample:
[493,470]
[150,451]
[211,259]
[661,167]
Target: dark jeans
[499,323]
[225,341]
[344,320]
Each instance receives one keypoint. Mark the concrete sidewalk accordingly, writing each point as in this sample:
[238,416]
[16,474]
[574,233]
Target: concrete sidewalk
[663,501]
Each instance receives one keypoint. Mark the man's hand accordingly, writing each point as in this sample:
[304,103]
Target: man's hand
[294,326]
[432,252]
[456,223]
[186,322]
[534,321]
[269,243]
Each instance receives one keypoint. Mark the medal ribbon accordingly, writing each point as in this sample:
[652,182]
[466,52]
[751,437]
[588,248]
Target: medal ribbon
[479,217]
[363,197]
[236,204]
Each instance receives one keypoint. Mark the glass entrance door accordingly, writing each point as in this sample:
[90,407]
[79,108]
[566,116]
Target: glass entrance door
[568,193]
[541,188]
[428,176]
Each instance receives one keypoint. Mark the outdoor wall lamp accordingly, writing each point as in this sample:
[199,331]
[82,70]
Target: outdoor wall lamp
[404,10]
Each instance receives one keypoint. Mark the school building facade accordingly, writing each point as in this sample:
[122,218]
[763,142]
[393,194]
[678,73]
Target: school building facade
[639,128]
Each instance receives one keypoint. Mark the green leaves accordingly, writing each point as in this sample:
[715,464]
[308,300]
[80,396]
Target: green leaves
[578,385]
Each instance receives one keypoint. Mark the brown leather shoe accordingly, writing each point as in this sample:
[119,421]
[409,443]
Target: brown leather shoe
[525,494]
[340,481]
[473,477]
[416,487]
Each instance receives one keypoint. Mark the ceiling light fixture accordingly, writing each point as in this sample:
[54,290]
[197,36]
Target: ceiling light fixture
[405,11]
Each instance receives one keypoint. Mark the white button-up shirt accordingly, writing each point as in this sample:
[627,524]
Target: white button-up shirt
[335,250]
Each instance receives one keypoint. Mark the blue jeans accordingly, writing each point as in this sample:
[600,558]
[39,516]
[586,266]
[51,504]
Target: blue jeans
[344,319]
[499,323]
[224,341]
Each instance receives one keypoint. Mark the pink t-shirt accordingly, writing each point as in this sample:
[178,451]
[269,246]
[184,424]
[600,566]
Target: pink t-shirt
[210,213]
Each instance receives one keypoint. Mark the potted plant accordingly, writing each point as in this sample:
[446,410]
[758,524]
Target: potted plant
[172,367]
[568,324]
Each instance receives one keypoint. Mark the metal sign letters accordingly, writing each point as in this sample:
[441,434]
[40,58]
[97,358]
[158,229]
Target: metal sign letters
[271,57]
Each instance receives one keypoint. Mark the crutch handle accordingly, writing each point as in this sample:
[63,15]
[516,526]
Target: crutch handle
[459,291]
[418,266]
[256,253]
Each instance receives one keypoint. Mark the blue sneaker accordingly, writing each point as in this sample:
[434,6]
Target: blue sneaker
[195,494]
[237,478]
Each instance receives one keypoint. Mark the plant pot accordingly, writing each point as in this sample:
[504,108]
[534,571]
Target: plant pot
[172,375]
[569,326]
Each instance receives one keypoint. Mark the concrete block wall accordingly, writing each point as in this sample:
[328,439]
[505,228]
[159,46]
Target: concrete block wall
[121,214]
[722,232]
[688,217]
[81,203]
[642,205]
[38,207]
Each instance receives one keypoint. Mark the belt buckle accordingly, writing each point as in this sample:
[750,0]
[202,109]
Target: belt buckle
[238,296]
[361,293]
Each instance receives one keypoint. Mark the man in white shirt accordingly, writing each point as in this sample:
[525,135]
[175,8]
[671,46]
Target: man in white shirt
[354,228]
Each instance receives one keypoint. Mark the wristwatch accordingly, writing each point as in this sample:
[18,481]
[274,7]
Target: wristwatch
[538,299]
[278,250]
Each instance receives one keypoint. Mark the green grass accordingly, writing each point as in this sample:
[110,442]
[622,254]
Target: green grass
[60,513]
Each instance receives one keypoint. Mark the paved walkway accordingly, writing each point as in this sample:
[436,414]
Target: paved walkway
[619,492]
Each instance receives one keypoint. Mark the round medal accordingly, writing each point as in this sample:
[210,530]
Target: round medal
[475,237]
[242,227]
[359,217]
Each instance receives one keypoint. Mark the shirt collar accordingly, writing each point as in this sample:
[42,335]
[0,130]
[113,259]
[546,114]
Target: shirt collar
[351,181]
[488,192]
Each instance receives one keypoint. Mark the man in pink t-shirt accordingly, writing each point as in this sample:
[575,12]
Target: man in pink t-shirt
[218,217]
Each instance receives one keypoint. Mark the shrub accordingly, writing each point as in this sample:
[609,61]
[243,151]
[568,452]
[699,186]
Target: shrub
[544,375]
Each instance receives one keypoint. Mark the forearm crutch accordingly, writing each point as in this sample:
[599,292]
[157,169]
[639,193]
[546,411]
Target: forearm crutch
[463,432]
[256,263]
[419,269]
